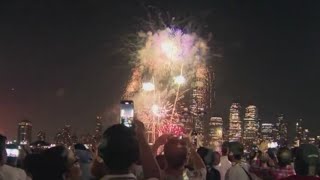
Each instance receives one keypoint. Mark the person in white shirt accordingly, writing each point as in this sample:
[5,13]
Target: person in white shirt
[122,147]
[224,164]
[8,172]
[239,170]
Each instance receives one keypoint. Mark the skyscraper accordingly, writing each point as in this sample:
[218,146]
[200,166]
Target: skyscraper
[98,130]
[305,136]
[202,96]
[250,126]
[64,136]
[267,131]
[299,133]
[24,132]
[282,133]
[235,124]
[215,131]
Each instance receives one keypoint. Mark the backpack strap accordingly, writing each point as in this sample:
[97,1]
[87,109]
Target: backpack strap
[249,176]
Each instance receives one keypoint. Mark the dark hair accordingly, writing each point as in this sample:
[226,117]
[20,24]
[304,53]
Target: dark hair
[237,157]
[225,148]
[80,147]
[33,164]
[3,140]
[55,162]
[176,153]
[202,151]
[119,148]
[237,150]
[161,161]
[307,158]
[284,156]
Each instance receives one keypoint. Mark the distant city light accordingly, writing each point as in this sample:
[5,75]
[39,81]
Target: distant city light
[148,86]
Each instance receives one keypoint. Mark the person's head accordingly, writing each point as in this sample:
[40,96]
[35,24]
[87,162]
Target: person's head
[161,161]
[80,147]
[32,164]
[60,164]
[119,148]
[175,153]
[206,155]
[235,151]
[3,153]
[202,151]
[252,155]
[216,158]
[225,148]
[284,156]
[83,154]
[307,160]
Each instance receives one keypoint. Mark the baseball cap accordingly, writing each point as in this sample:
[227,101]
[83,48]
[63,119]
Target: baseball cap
[308,154]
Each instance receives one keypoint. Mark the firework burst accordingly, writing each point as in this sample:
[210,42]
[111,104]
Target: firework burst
[165,68]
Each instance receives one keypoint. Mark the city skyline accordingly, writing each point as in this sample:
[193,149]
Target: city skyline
[247,119]
[60,65]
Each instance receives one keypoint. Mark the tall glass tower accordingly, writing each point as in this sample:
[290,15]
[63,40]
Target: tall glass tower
[250,126]
[235,125]
[24,132]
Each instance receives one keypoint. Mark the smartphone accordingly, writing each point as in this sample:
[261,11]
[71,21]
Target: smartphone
[12,152]
[126,112]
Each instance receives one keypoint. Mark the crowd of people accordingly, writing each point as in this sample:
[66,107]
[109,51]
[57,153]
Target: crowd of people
[124,153]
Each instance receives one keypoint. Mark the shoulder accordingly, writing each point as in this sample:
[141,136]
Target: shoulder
[235,170]
[20,173]
[15,172]
[197,174]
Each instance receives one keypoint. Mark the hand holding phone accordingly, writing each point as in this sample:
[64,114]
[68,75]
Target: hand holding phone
[126,113]
[12,152]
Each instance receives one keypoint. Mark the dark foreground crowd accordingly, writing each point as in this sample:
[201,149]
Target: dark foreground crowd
[125,154]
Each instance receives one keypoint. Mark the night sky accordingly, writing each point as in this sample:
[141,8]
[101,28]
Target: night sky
[60,60]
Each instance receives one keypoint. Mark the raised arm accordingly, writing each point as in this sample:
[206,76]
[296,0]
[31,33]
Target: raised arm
[159,142]
[194,156]
[149,164]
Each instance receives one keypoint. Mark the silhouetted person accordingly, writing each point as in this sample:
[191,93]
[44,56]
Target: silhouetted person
[224,164]
[306,163]
[122,147]
[284,168]
[176,155]
[161,161]
[85,160]
[239,169]
[33,165]
[59,163]
[208,158]
[8,172]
